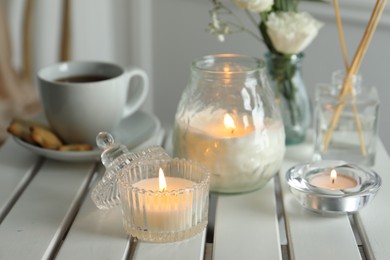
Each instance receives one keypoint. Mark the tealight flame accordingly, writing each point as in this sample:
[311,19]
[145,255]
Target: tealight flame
[161,180]
[333,175]
[229,122]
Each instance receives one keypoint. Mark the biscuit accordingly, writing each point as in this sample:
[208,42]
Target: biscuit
[31,123]
[75,147]
[45,138]
[41,135]
[20,129]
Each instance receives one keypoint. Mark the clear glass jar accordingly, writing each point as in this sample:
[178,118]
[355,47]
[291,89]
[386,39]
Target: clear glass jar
[228,121]
[346,130]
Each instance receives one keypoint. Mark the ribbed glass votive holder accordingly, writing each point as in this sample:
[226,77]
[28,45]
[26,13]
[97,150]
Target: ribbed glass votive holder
[157,213]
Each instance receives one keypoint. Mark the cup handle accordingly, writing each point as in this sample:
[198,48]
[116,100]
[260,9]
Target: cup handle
[139,92]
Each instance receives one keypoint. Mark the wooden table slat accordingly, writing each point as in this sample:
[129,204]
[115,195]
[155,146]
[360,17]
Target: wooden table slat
[246,226]
[40,217]
[311,235]
[189,249]
[375,217]
[95,234]
[16,169]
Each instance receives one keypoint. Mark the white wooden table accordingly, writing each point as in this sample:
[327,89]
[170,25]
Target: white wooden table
[46,213]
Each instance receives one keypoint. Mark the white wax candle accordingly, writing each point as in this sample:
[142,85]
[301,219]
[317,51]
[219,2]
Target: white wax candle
[340,182]
[240,158]
[165,210]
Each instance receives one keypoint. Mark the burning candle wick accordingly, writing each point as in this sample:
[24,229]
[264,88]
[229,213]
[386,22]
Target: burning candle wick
[162,182]
[229,123]
[333,175]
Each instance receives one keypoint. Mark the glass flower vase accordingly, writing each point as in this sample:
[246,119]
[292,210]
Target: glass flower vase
[228,121]
[285,75]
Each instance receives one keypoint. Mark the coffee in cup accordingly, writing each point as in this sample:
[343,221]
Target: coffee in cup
[82,98]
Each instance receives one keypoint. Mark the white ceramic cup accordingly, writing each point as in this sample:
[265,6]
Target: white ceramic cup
[77,111]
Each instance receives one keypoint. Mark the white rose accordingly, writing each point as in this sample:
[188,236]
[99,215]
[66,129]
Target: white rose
[292,32]
[255,6]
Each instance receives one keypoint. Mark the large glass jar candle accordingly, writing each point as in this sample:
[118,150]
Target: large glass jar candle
[228,121]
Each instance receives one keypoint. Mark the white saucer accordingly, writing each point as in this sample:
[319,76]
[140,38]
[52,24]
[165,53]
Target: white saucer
[132,131]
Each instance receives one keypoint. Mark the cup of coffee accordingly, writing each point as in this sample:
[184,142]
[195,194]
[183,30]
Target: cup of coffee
[82,98]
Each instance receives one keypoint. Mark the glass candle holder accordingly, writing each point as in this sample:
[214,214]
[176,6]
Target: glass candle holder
[228,121]
[164,200]
[346,129]
[115,157]
[333,187]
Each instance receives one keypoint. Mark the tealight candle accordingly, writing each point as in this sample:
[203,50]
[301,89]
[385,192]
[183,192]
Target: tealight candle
[332,187]
[163,208]
[333,181]
[164,201]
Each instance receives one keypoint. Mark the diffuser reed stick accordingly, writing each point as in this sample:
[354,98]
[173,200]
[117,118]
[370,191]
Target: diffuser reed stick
[341,33]
[346,64]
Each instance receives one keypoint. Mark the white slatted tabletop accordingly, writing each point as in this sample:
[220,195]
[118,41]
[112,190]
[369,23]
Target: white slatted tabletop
[46,213]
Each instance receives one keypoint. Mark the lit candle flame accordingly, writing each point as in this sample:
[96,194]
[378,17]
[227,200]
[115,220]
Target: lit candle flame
[161,180]
[333,175]
[229,122]
[227,75]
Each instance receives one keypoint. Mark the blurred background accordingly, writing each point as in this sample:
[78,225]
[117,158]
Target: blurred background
[164,36]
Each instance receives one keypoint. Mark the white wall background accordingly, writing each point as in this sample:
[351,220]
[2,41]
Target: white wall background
[164,36]
[102,30]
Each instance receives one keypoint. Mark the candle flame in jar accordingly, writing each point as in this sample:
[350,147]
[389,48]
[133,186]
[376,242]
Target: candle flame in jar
[229,122]
[227,75]
[333,175]
[161,180]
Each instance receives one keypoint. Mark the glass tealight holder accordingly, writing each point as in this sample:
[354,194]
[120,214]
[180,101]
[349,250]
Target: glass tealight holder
[164,200]
[346,129]
[333,187]
[228,121]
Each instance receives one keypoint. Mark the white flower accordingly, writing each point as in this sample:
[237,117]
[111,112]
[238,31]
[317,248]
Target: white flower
[292,32]
[255,6]
[217,27]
